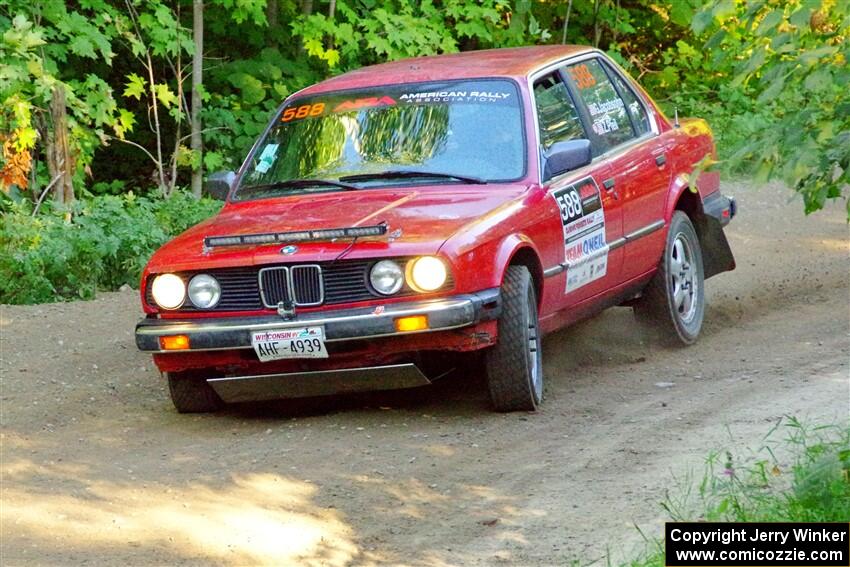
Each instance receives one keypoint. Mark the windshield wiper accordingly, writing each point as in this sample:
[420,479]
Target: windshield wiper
[299,183]
[408,174]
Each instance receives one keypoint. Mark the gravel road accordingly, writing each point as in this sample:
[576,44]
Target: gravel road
[97,467]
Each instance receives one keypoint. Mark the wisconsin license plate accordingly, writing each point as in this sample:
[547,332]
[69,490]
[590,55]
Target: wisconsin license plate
[277,344]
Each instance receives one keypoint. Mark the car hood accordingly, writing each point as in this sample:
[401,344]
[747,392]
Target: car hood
[419,221]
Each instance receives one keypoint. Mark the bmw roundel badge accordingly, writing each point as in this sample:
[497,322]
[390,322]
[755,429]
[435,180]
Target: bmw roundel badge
[289,250]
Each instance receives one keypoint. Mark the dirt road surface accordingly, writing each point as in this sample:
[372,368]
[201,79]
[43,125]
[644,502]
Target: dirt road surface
[99,469]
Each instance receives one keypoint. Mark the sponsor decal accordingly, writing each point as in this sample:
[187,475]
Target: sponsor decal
[583,223]
[586,271]
[605,124]
[582,76]
[454,96]
[369,102]
[606,106]
[267,158]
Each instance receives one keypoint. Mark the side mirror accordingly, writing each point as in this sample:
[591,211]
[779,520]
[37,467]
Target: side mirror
[562,157]
[218,184]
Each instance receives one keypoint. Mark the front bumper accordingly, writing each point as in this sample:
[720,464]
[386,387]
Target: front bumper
[227,333]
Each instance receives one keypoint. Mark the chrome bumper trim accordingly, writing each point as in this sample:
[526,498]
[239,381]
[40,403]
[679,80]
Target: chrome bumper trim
[225,333]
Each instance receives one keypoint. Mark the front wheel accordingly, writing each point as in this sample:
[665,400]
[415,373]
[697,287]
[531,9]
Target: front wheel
[190,392]
[673,303]
[515,364]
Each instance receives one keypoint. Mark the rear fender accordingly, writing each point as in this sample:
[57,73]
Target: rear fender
[716,252]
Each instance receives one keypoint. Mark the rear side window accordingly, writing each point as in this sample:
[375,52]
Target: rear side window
[635,108]
[608,116]
[556,113]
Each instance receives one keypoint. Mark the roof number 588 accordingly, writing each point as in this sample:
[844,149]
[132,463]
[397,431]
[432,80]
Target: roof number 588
[582,76]
[303,111]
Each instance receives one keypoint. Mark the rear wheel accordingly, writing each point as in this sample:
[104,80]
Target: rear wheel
[673,303]
[190,392]
[515,364]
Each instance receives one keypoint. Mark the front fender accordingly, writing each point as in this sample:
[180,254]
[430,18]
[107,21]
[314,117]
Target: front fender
[484,267]
[517,246]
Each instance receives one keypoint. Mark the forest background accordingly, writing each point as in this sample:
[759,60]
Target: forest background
[114,111]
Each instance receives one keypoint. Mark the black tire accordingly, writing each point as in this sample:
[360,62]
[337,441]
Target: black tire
[190,392]
[672,306]
[515,364]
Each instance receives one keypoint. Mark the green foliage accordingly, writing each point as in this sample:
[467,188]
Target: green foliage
[370,32]
[790,62]
[40,43]
[106,245]
[814,488]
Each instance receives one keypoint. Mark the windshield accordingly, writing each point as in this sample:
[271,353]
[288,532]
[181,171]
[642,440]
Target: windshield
[453,129]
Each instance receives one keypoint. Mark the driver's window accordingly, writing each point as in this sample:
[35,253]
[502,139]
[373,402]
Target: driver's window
[556,113]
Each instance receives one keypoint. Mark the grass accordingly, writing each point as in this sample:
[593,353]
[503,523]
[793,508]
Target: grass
[813,487]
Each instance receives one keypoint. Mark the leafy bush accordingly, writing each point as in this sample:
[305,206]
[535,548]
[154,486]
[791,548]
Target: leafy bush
[104,246]
[790,61]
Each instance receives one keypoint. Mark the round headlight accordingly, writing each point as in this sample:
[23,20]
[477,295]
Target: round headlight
[386,277]
[427,273]
[168,291]
[204,291]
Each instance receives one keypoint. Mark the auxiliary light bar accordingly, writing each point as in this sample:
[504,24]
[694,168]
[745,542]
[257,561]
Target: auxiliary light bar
[296,236]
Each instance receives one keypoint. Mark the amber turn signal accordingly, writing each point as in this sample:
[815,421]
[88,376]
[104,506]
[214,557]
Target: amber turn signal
[174,342]
[412,323]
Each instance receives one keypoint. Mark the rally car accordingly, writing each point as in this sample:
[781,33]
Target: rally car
[395,216]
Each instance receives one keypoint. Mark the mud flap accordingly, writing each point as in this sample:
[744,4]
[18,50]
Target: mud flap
[716,254]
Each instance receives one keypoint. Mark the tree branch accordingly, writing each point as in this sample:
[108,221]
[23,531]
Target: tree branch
[150,155]
[46,191]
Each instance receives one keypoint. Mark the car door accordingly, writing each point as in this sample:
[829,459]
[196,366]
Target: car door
[588,216]
[628,143]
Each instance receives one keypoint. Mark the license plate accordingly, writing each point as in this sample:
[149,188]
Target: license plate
[277,344]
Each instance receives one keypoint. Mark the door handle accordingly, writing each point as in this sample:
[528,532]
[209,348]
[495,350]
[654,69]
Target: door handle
[609,186]
[660,160]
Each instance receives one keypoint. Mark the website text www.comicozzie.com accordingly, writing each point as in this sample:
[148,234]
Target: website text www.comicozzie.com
[703,556]
[697,544]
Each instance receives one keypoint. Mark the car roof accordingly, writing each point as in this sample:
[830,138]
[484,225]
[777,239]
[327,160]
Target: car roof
[515,62]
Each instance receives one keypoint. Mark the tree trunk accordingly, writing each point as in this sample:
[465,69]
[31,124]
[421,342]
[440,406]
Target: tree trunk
[272,10]
[60,162]
[306,10]
[597,32]
[197,82]
[616,22]
[567,21]
[160,167]
[331,16]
